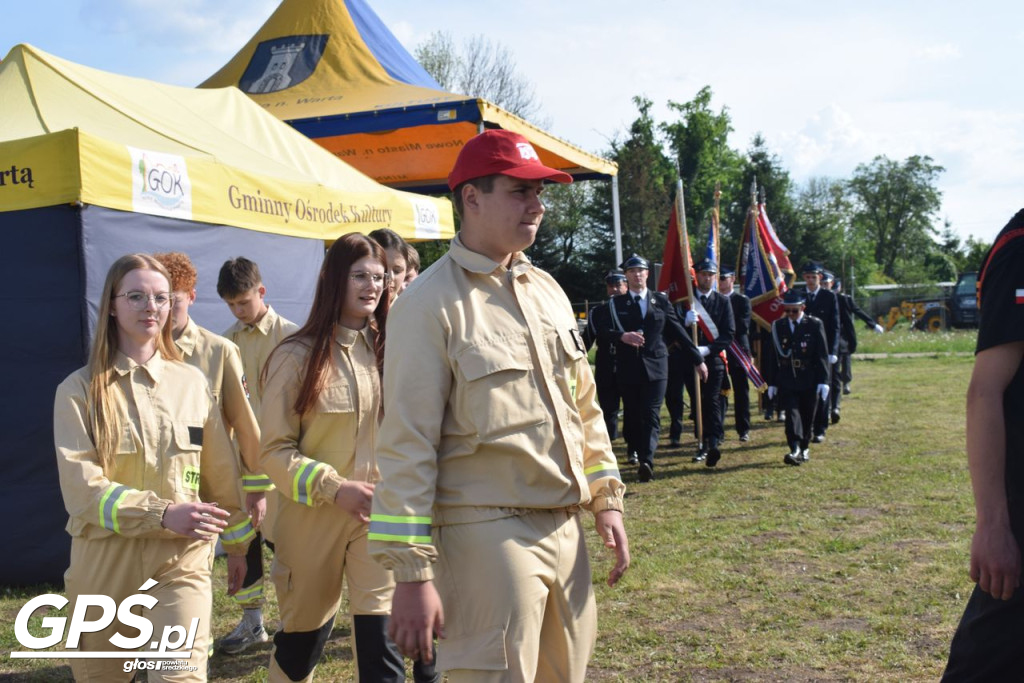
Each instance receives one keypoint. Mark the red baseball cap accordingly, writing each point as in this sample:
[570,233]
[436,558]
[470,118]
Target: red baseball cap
[504,152]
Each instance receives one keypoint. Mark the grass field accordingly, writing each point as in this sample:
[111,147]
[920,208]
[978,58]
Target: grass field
[850,567]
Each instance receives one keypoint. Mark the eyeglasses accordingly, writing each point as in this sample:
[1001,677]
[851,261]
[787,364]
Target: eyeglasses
[138,301]
[364,279]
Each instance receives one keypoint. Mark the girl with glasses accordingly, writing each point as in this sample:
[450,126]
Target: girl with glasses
[142,456]
[319,418]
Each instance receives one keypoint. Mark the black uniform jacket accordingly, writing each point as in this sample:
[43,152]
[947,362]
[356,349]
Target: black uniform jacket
[720,311]
[825,307]
[800,356]
[848,331]
[661,326]
[741,317]
[604,357]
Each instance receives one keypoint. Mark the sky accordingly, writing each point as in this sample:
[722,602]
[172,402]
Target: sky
[829,85]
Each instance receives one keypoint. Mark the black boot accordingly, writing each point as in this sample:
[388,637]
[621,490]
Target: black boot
[376,655]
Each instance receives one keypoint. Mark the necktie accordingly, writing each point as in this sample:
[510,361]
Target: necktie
[703,300]
[810,297]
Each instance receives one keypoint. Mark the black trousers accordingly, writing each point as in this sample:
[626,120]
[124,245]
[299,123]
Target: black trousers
[641,407]
[839,373]
[740,396]
[710,399]
[608,399]
[986,645]
[678,366]
[824,411]
[800,406]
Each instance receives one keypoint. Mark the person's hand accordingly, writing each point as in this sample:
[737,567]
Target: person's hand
[691,318]
[879,329]
[355,498]
[702,372]
[613,533]
[771,392]
[823,391]
[202,521]
[236,573]
[704,351]
[256,506]
[832,359]
[995,560]
[416,617]
[633,338]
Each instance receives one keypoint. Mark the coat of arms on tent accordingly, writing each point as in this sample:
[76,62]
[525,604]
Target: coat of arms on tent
[282,63]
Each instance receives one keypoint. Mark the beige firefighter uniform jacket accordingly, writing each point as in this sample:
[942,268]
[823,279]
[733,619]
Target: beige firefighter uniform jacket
[308,456]
[255,342]
[220,361]
[174,449]
[489,408]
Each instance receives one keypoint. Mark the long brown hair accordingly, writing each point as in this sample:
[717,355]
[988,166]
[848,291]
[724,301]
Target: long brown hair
[331,292]
[107,406]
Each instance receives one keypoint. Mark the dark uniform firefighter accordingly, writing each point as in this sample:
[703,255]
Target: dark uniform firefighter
[604,357]
[642,322]
[716,311]
[799,373]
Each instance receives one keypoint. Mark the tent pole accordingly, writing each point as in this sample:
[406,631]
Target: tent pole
[616,220]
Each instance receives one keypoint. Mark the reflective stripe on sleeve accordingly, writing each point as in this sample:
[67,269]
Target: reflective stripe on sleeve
[601,471]
[239,533]
[400,529]
[253,593]
[109,504]
[302,485]
[253,483]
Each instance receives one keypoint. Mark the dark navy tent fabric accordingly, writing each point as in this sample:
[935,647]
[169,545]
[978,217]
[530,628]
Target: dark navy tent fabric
[56,261]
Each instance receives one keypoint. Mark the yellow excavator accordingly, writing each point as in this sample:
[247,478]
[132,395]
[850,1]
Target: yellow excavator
[957,308]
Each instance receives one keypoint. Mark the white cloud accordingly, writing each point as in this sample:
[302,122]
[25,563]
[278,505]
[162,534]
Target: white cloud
[944,52]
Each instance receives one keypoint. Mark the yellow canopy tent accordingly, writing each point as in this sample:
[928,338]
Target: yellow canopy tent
[333,70]
[94,166]
[200,155]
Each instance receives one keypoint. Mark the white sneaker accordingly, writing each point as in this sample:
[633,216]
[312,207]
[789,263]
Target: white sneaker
[242,637]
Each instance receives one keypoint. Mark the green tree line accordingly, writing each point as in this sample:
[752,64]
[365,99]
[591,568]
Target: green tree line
[881,224]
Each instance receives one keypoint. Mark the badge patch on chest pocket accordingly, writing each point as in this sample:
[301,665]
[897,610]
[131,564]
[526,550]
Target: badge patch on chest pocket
[195,436]
[190,478]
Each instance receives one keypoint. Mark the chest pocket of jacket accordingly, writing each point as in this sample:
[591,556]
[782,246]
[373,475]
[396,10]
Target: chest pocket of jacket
[129,460]
[500,395]
[183,460]
[568,355]
[332,432]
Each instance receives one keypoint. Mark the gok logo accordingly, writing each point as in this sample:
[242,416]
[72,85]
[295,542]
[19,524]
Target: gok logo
[166,648]
[160,184]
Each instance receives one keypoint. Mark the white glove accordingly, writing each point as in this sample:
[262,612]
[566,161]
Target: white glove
[832,359]
[771,392]
[704,351]
[823,391]
[879,329]
[691,318]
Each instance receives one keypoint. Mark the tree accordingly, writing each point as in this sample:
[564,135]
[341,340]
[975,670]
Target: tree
[646,186]
[896,204]
[480,69]
[699,143]
[823,228]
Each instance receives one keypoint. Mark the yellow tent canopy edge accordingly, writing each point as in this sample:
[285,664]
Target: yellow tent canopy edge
[72,166]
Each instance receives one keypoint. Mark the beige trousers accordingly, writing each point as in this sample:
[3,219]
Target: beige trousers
[117,567]
[518,601]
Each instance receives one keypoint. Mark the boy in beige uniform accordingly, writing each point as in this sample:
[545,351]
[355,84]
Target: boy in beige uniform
[491,444]
[256,332]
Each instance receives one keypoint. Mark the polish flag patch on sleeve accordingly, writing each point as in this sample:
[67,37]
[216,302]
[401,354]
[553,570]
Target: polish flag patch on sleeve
[1019,298]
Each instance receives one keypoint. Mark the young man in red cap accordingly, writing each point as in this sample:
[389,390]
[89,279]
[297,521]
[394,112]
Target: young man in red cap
[492,443]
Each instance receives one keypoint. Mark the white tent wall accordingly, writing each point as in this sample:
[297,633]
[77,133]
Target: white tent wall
[289,265]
